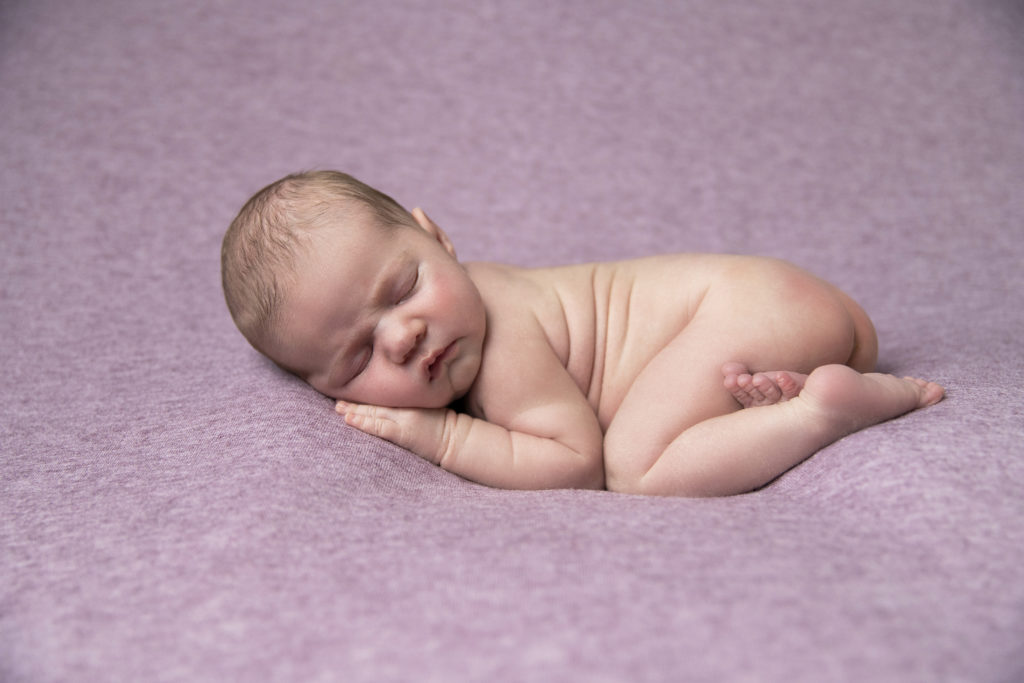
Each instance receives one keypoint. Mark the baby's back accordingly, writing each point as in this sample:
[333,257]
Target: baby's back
[605,321]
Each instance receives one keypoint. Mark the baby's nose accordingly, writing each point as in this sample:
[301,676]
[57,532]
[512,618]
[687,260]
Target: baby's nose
[403,337]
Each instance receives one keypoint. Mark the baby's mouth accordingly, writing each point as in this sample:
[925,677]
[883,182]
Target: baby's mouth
[436,365]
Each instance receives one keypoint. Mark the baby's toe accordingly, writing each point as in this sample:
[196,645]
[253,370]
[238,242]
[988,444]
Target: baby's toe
[766,388]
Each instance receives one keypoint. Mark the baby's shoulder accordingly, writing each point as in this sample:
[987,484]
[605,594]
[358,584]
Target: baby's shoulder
[489,276]
[503,281]
[509,291]
[526,329]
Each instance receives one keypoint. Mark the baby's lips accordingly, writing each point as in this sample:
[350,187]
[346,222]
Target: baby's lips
[432,361]
[428,361]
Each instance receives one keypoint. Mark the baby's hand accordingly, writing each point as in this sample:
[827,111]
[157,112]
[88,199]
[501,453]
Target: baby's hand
[425,432]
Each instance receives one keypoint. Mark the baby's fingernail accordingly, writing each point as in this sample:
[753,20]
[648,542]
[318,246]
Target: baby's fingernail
[341,406]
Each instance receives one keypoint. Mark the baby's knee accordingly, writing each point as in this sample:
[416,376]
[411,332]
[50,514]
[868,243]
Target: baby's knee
[630,484]
[661,469]
[648,484]
[621,483]
[621,473]
[626,465]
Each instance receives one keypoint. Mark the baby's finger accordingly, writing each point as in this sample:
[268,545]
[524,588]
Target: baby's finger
[373,421]
[346,408]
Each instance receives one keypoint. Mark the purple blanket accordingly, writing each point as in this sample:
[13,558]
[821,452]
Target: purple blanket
[172,507]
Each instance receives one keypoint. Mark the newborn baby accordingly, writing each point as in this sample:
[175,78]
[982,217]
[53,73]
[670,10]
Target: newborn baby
[683,374]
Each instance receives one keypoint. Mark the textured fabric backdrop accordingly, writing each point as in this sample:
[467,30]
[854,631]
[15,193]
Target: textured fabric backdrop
[172,508]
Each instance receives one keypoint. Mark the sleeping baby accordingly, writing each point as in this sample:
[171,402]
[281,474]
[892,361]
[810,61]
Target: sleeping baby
[683,374]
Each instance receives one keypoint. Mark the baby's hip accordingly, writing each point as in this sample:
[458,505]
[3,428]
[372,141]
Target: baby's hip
[772,315]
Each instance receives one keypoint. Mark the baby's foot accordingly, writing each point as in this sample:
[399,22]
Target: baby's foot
[849,400]
[761,388]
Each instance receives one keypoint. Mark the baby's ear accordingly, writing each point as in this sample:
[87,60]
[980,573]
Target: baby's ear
[433,230]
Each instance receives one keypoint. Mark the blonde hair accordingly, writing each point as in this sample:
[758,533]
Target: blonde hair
[260,246]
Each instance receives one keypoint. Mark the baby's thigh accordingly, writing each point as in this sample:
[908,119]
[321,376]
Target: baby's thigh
[680,386]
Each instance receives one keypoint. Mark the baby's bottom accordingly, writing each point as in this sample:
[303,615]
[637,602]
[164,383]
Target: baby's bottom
[681,429]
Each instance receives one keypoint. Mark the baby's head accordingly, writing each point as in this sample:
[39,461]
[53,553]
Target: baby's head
[263,243]
[337,283]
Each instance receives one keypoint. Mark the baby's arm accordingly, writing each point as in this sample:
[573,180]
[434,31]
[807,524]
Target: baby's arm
[542,453]
[539,430]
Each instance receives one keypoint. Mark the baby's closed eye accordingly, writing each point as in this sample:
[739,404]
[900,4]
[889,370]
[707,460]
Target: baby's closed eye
[410,282]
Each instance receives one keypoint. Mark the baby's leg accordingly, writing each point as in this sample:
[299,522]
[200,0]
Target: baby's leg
[741,451]
[681,387]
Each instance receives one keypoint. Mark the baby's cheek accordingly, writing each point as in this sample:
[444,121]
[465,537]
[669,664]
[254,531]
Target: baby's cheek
[463,374]
[397,392]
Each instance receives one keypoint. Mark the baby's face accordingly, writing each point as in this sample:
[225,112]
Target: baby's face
[386,318]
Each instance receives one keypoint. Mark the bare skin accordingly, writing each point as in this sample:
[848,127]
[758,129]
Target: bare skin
[761,388]
[832,402]
[858,399]
[651,376]
[656,440]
